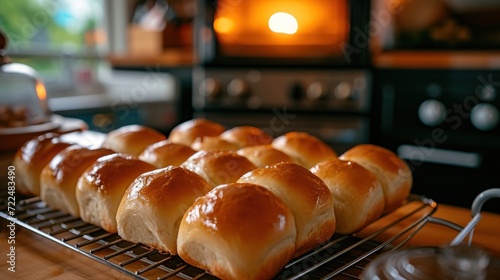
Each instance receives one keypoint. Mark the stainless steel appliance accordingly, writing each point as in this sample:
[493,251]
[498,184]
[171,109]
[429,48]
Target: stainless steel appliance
[285,66]
[331,105]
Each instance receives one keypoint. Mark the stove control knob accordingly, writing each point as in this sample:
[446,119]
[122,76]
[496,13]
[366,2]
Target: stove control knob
[317,90]
[238,87]
[296,92]
[343,91]
[210,88]
[432,112]
[484,116]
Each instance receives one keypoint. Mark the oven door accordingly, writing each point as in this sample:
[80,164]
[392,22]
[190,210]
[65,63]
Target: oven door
[260,32]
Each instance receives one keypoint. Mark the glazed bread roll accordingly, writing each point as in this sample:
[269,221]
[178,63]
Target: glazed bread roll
[246,136]
[218,167]
[307,150]
[391,171]
[186,132]
[102,185]
[151,210]
[208,143]
[358,195]
[263,155]
[306,195]
[132,139]
[31,158]
[238,231]
[166,153]
[86,138]
[60,176]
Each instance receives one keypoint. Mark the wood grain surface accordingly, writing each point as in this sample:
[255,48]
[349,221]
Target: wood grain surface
[40,258]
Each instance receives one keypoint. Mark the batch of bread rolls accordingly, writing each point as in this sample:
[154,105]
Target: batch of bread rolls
[237,203]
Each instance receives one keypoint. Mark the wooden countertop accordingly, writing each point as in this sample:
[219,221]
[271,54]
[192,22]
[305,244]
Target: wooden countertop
[486,232]
[38,257]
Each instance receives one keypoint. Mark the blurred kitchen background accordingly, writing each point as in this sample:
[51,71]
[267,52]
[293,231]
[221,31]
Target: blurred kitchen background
[421,77]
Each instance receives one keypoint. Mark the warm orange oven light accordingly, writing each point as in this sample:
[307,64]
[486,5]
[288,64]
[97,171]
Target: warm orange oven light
[40,90]
[223,25]
[285,23]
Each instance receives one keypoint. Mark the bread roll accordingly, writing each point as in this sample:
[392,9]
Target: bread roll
[262,155]
[166,153]
[31,158]
[101,187]
[132,139]
[152,208]
[86,138]
[246,136]
[306,195]
[392,172]
[208,143]
[305,149]
[238,231]
[358,195]
[218,167]
[186,132]
[60,176]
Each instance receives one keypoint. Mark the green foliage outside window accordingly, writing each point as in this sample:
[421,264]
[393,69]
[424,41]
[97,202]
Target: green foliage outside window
[49,25]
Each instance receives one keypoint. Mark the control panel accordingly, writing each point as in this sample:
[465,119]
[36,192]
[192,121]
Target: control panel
[310,90]
[453,108]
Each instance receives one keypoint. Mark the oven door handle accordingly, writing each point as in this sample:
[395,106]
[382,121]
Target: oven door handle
[441,156]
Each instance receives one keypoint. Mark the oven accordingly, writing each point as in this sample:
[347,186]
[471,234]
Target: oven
[446,125]
[281,32]
[436,93]
[285,66]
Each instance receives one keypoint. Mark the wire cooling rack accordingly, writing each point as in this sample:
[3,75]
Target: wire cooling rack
[342,257]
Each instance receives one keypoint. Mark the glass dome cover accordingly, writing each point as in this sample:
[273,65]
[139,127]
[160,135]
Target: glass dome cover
[23,95]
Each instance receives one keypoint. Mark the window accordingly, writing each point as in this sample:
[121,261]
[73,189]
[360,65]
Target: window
[62,39]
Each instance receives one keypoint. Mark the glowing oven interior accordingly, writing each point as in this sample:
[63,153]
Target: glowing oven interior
[282,28]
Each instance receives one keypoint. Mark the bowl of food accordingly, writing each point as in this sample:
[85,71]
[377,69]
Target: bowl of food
[16,127]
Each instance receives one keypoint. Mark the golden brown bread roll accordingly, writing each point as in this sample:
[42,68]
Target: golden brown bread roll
[101,187]
[306,195]
[31,158]
[186,132]
[208,143]
[306,149]
[247,136]
[60,176]
[391,171]
[262,155]
[358,195]
[238,231]
[132,139]
[166,153]
[151,210]
[218,167]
